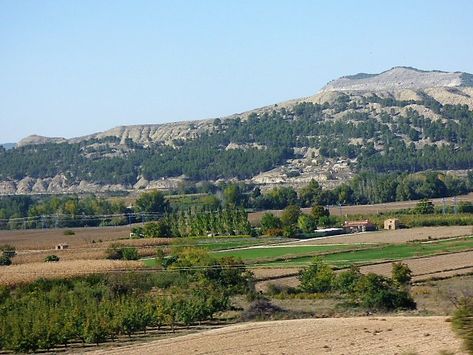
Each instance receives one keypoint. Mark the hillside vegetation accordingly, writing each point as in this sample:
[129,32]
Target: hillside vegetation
[364,131]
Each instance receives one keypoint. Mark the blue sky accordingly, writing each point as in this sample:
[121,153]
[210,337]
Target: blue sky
[74,67]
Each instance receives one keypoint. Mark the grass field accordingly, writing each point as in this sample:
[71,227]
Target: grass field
[256,254]
[295,256]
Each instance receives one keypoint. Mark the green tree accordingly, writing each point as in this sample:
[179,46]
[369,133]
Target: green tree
[319,211]
[377,292]
[401,274]
[310,194]
[306,223]
[232,195]
[269,221]
[290,215]
[153,201]
[317,277]
[424,207]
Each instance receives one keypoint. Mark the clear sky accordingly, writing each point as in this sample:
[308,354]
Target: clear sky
[74,67]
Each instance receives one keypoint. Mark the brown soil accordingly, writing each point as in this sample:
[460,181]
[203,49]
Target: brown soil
[437,266]
[48,238]
[393,236]
[425,268]
[362,335]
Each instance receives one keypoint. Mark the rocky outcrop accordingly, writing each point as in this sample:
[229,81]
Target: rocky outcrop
[7,187]
[35,139]
[400,78]
[25,185]
[39,187]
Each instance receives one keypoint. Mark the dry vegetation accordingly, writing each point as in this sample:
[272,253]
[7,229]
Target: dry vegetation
[16,274]
[38,239]
[387,335]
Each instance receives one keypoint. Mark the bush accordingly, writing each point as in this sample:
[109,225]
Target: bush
[69,232]
[462,322]
[261,309]
[51,258]
[376,292]
[118,251]
[318,277]
[401,274]
[346,280]
[274,232]
[5,260]
[8,250]
[290,215]
[130,253]
[269,221]
[424,206]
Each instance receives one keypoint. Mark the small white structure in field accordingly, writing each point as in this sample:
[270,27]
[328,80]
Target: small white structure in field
[62,246]
[391,224]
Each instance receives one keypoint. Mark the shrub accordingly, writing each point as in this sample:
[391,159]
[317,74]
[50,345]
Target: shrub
[318,277]
[319,211]
[377,292]
[270,221]
[5,260]
[424,206]
[274,232]
[346,280]
[130,253]
[290,215]
[69,232]
[8,250]
[401,274]
[306,223]
[118,251]
[51,258]
[261,309]
[462,322]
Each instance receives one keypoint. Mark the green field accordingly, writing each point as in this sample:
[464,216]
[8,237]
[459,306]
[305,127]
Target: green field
[265,253]
[384,253]
[338,255]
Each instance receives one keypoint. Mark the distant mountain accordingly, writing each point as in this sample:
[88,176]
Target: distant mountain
[8,145]
[403,119]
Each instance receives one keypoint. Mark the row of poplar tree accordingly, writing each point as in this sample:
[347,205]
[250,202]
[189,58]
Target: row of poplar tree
[229,221]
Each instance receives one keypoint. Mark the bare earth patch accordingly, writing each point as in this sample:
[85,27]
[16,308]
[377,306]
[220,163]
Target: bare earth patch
[425,268]
[398,236]
[387,335]
[446,265]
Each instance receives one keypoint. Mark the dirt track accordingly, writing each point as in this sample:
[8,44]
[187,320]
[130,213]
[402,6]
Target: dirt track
[387,335]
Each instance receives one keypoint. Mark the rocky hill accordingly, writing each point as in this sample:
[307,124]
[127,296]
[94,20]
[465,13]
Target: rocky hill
[384,122]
